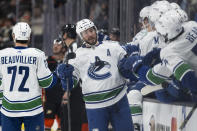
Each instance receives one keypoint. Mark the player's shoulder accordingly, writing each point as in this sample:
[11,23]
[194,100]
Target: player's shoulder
[36,51]
[189,24]
[6,49]
[110,43]
[167,52]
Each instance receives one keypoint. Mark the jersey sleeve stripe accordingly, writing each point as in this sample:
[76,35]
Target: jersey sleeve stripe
[40,79]
[45,83]
[103,95]
[180,70]
[181,62]
[153,78]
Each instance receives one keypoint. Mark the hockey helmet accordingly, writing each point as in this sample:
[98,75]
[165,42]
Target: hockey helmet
[183,15]
[21,31]
[175,6]
[70,30]
[169,25]
[83,25]
[144,13]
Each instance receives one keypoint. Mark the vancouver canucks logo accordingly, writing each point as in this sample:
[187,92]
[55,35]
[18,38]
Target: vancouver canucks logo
[95,69]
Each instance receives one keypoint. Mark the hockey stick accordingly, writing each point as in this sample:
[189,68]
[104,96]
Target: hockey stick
[149,89]
[68,56]
[183,124]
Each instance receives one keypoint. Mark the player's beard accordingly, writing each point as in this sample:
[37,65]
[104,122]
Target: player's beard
[92,40]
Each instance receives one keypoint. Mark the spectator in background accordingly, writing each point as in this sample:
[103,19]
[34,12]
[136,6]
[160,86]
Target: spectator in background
[53,96]
[26,17]
[37,27]
[99,13]
[114,34]
[6,33]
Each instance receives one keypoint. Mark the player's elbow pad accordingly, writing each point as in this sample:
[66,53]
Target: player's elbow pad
[189,81]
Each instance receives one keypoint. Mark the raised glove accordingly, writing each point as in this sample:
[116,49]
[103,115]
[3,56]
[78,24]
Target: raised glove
[131,49]
[64,72]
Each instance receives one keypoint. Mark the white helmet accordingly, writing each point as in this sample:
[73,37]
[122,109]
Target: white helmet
[144,12]
[169,25]
[21,31]
[158,9]
[175,6]
[154,14]
[183,15]
[159,2]
[83,25]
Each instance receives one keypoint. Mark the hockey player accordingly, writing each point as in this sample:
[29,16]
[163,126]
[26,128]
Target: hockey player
[24,72]
[103,87]
[178,57]
[114,34]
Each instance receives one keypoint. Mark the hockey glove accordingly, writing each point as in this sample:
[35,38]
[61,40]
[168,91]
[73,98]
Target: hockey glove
[123,71]
[176,90]
[64,72]
[135,62]
[152,58]
[131,49]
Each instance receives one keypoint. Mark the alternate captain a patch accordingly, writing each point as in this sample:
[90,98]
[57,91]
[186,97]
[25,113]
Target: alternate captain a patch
[108,52]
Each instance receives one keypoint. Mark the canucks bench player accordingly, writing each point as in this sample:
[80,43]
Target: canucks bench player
[178,57]
[24,71]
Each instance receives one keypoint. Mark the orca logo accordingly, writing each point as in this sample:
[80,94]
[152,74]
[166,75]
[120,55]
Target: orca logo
[97,66]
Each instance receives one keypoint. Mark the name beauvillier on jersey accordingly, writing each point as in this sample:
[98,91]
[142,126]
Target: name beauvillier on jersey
[18,59]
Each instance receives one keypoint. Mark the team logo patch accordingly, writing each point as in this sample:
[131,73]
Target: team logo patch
[95,69]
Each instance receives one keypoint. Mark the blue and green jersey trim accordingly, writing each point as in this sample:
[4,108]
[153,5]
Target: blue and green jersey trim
[153,78]
[22,106]
[102,96]
[46,81]
[147,76]
[180,70]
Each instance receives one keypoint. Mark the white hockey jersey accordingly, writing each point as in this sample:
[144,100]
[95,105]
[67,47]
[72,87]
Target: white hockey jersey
[1,90]
[102,84]
[150,41]
[23,71]
[180,55]
[139,36]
